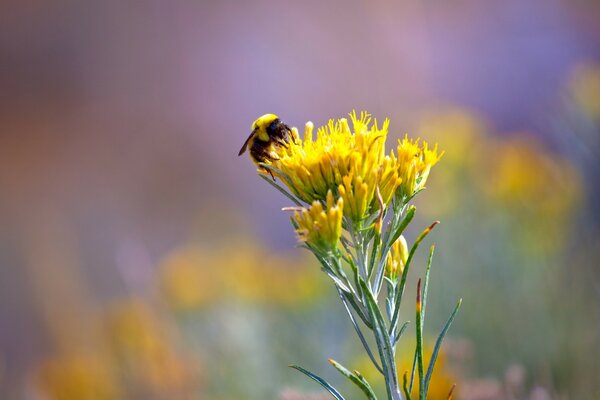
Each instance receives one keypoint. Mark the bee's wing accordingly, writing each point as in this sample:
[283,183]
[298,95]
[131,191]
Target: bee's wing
[243,149]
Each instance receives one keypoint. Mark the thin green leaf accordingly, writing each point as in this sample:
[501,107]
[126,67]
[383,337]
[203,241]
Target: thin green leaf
[400,288]
[387,245]
[294,223]
[389,281]
[406,389]
[438,345]
[361,383]
[374,250]
[408,217]
[360,309]
[362,378]
[282,190]
[426,281]
[356,278]
[320,381]
[281,174]
[388,308]
[338,283]
[359,332]
[336,259]
[386,350]
[400,332]
[348,247]
[419,351]
[412,371]
[322,257]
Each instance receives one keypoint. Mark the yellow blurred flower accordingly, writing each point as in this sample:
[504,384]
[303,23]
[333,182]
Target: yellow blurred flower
[193,276]
[318,227]
[463,135]
[133,329]
[78,376]
[533,183]
[441,382]
[190,277]
[442,379]
[524,174]
[145,350]
[292,280]
[584,84]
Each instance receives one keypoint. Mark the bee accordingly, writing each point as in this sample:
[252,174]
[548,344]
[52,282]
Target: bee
[267,131]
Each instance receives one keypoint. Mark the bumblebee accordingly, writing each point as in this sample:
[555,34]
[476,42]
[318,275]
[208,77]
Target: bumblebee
[267,131]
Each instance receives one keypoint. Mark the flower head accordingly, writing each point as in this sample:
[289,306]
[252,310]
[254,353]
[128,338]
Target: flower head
[415,162]
[320,227]
[312,167]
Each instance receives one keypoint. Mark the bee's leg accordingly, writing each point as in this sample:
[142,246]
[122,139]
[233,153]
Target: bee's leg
[268,155]
[287,134]
[281,142]
[270,173]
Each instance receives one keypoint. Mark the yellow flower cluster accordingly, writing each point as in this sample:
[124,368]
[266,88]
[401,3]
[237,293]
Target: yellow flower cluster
[321,227]
[414,163]
[76,375]
[313,167]
[130,349]
[190,279]
[351,163]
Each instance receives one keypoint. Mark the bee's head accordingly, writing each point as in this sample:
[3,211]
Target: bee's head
[259,127]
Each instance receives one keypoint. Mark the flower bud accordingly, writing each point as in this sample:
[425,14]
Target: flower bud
[396,259]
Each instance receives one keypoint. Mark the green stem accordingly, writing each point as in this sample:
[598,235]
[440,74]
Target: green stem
[384,345]
[357,243]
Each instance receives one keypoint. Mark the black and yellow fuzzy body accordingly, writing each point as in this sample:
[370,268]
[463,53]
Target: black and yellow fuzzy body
[267,132]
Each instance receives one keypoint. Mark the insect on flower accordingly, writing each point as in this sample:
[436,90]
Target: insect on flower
[267,132]
[344,184]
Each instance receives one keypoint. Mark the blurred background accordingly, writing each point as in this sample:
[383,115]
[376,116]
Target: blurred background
[140,258]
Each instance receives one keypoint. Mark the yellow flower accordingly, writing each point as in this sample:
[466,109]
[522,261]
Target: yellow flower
[415,162]
[350,160]
[536,186]
[187,278]
[465,137]
[321,227]
[389,178]
[356,195]
[396,259]
[77,375]
[313,167]
[443,378]
[145,348]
